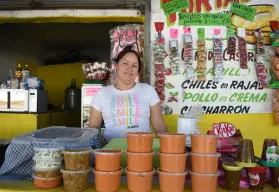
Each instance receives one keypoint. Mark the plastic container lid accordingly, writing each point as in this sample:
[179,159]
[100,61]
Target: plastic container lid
[48,148]
[267,164]
[231,167]
[77,151]
[141,134]
[242,164]
[205,135]
[167,154]
[108,173]
[144,154]
[45,169]
[205,175]
[171,135]
[108,151]
[172,174]
[208,155]
[141,174]
[75,172]
[48,160]
[47,179]
[58,136]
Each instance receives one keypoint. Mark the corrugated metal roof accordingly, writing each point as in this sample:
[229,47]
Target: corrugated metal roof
[86,4]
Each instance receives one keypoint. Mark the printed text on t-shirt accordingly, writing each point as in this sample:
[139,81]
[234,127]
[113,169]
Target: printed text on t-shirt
[125,110]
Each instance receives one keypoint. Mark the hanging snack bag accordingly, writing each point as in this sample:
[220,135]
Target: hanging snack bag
[123,36]
[261,61]
[202,55]
[217,56]
[231,42]
[159,57]
[274,72]
[187,54]
[242,52]
[232,45]
[174,55]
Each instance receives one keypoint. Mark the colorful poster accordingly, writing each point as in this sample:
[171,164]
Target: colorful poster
[237,93]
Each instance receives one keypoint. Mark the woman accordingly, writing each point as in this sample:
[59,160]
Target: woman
[127,106]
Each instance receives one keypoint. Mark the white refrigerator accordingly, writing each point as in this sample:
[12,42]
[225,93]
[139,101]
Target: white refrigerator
[88,93]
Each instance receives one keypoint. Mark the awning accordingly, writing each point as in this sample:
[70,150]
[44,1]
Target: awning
[61,4]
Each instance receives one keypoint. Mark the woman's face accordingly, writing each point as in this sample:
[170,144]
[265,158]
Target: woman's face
[127,68]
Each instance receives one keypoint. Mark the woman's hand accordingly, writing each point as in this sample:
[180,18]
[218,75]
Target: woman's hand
[157,119]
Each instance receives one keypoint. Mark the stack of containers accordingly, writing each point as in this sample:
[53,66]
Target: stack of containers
[107,170]
[77,169]
[204,157]
[173,158]
[139,161]
[47,166]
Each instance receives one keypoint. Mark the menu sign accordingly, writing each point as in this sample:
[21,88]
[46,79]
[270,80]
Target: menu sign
[243,11]
[224,97]
[175,6]
[204,19]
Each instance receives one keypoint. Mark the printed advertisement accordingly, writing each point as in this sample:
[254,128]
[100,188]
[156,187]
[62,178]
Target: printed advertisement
[239,89]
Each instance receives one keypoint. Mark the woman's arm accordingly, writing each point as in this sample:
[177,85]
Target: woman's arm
[157,120]
[96,119]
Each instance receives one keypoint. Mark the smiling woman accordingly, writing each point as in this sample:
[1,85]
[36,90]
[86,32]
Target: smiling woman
[127,106]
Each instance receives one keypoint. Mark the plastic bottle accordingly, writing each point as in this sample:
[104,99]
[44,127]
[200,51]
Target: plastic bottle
[8,86]
[72,98]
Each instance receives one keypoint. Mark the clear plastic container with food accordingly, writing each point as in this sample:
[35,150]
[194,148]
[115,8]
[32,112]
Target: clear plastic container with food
[77,159]
[46,172]
[48,152]
[75,181]
[47,183]
[47,163]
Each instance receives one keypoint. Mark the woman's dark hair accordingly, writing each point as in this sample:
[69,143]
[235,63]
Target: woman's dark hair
[126,50]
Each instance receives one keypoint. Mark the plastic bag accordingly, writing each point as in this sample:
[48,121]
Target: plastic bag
[159,57]
[261,61]
[202,58]
[187,55]
[218,56]
[126,35]
[96,70]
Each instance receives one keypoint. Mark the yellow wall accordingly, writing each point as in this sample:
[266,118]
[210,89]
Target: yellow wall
[57,78]
[15,124]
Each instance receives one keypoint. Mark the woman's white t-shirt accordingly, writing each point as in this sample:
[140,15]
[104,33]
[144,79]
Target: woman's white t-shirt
[125,111]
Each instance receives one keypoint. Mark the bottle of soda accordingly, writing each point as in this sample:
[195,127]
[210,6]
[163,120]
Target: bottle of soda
[25,72]
[18,72]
